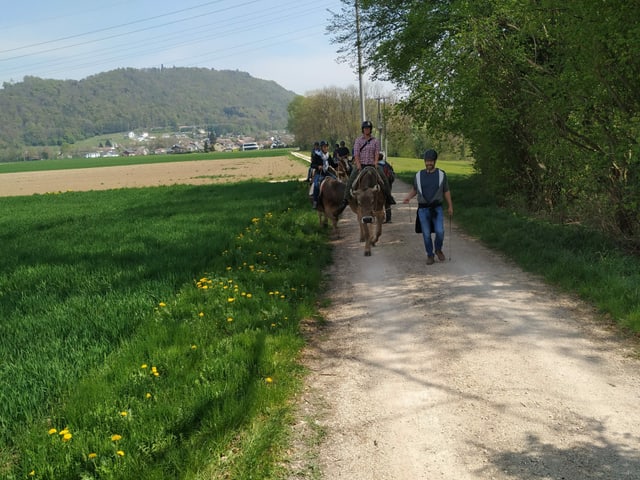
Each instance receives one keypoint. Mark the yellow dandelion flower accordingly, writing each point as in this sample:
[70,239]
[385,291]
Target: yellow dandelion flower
[231,299]
[205,287]
[154,369]
[66,437]
[162,304]
[194,347]
[268,380]
[32,473]
[229,268]
[63,432]
[124,414]
[52,431]
[229,319]
[273,324]
[143,366]
[156,374]
[92,455]
[120,453]
[115,437]
[148,395]
[201,314]
[282,297]
[249,295]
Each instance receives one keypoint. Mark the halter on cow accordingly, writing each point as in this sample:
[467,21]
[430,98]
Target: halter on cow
[368,201]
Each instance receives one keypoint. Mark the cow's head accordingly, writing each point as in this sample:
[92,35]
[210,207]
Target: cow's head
[366,201]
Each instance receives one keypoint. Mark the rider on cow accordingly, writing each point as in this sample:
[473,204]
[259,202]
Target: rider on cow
[343,155]
[320,162]
[366,151]
[314,151]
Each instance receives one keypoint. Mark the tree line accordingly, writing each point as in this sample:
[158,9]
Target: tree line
[333,114]
[545,93]
[42,112]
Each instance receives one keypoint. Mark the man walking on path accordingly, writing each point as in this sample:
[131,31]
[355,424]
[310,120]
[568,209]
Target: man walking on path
[432,187]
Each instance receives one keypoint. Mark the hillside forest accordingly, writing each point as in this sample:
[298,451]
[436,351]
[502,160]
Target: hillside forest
[39,112]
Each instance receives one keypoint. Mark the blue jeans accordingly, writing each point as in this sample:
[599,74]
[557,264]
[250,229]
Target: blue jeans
[432,221]
[317,180]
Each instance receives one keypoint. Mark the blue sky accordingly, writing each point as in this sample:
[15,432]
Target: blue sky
[280,40]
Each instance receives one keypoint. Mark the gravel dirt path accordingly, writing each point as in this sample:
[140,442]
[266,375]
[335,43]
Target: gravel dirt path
[466,369]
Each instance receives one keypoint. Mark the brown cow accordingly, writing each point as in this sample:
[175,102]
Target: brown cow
[331,195]
[368,201]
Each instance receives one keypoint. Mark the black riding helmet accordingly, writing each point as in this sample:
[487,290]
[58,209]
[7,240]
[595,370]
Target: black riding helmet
[323,144]
[431,155]
[367,124]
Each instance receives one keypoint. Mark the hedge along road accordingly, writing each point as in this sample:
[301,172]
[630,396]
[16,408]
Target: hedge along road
[466,369]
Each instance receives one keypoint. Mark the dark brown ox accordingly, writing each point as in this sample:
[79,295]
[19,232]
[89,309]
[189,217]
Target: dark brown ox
[343,169]
[367,200]
[331,195]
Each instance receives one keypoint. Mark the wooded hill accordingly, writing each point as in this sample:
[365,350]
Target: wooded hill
[38,112]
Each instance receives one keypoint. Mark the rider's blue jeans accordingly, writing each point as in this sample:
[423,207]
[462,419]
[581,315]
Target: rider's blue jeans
[432,221]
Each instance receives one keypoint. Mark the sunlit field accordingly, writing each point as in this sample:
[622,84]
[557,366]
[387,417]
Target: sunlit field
[153,333]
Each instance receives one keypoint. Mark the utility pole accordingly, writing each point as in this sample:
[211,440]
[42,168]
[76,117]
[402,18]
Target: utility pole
[382,126]
[360,70]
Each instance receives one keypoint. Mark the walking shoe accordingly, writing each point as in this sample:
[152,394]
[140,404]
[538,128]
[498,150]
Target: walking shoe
[441,256]
[430,261]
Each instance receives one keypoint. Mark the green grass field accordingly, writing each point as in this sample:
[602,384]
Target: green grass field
[149,333]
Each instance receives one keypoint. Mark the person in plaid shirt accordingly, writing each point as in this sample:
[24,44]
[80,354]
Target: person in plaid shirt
[366,151]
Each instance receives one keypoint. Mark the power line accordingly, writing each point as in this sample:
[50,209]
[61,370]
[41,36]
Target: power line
[259,20]
[55,40]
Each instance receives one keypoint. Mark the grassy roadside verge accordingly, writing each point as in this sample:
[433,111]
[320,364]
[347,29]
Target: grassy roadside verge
[153,333]
[570,257]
